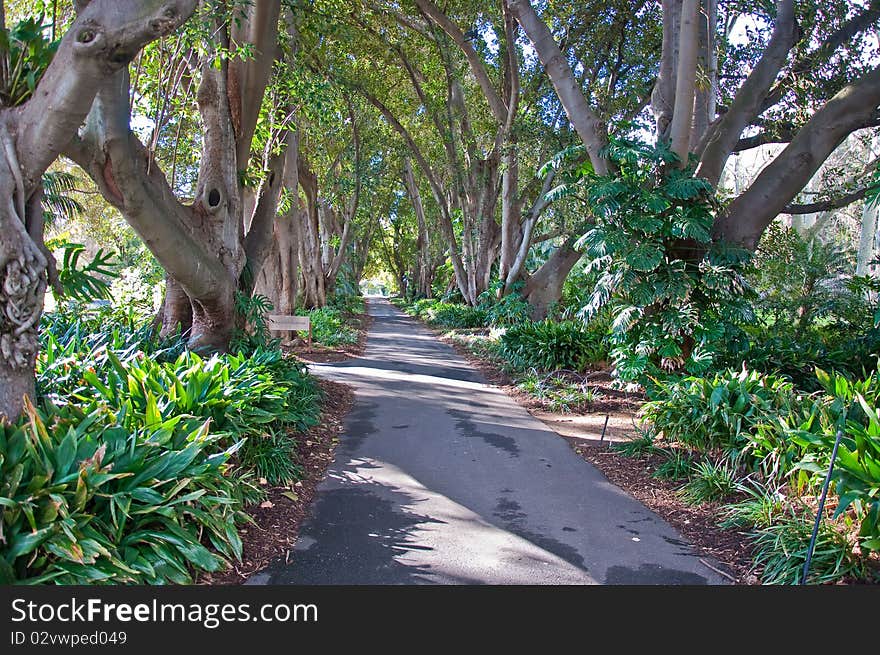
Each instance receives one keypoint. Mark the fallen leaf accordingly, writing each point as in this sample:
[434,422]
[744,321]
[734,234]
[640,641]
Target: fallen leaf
[267,503]
[264,481]
[291,495]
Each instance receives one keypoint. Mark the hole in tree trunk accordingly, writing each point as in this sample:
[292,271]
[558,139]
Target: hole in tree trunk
[214,198]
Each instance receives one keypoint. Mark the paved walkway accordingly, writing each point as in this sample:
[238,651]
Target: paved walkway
[439,478]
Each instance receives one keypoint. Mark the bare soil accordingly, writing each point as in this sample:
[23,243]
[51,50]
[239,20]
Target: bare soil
[272,534]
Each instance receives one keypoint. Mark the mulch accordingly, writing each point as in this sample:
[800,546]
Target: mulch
[271,536]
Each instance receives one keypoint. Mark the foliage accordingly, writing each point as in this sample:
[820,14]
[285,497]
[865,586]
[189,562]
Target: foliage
[812,313]
[852,408]
[677,465]
[641,446]
[330,327]
[509,309]
[347,303]
[25,53]
[552,345]
[675,295]
[781,550]
[446,314]
[759,510]
[88,500]
[58,201]
[244,395]
[251,311]
[757,423]
[80,281]
[559,391]
[720,411]
[272,457]
[137,462]
[710,481]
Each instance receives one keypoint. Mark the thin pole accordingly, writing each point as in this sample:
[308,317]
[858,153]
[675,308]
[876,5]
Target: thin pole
[821,507]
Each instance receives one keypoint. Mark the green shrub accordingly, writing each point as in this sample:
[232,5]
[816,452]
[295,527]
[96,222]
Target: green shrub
[560,393]
[509,309]
[641,446]
[452,315]
[710,481]
[271,456]
[329,327]
[781,551]
[759,510]
[853,408]
[138,460]
[721,411]
[89,496]
[677,465]
[550,345]
[346,303]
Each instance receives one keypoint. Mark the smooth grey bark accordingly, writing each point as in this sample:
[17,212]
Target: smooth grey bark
[313,291]
[723,136]
[586,122]
[105,36]
[748,215]
[544,288]
[517,267]
[685,81]
[176,309]
[423,245]
[867,237]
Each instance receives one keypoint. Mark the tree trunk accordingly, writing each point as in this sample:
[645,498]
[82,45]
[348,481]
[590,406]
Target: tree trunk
[105,37]
[310,259]
[177,313]
[685,81]
[867,237]
[663,94]
[203,246]
[23,266]
[544,288]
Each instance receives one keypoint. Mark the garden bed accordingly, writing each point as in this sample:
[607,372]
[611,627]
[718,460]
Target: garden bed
[277,519]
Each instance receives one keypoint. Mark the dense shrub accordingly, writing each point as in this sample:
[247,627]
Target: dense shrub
[550,345]
[329,327]
[755,428]
[718,411]
[91,495]
[346,303]
[455,316]
[509,309]
[139,457]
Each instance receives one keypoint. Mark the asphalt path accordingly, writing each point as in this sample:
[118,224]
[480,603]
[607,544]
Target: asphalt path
[442,479]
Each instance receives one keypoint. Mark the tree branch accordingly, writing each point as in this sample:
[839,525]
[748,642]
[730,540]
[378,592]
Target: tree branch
[496,104]
[248,78]
[831,203]
[105,37]
[844,34]
[118,163]
[722,137]
[586,122]
[772,191]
